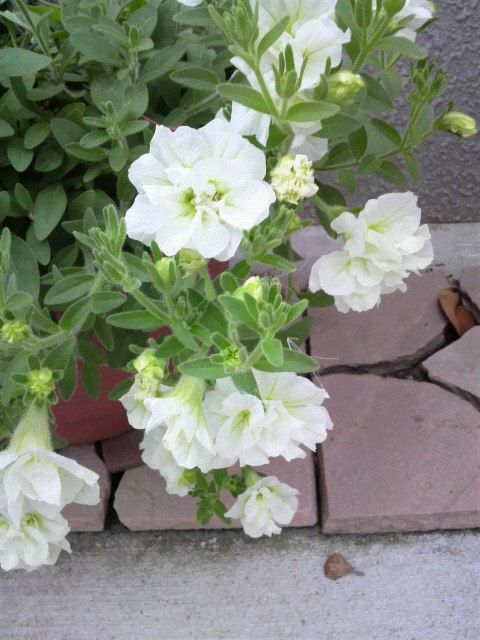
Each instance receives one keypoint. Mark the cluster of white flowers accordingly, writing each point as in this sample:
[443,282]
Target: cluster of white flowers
[190,427]
[383,244]
[35,485]
[198,189]
[314,37]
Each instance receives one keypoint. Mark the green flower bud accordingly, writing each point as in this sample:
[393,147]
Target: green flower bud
[231,357]
[190,260]
[149,367]
[459,123]
[41,383]
[167,270]
[15,331]
[253,286]
[344,86]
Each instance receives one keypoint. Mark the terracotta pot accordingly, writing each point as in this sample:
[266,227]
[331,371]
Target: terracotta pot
[83,420]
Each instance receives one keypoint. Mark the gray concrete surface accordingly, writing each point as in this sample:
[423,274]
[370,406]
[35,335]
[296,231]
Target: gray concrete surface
[220,585]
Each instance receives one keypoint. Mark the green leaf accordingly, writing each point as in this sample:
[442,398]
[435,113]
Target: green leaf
[93,138]
[194,17]
[387,130]
[5,129]
[18,155]
[294,361]
[402,46]
[67,384]
[40,248]
[412,165]
[94,47]
[378,100]
[15,61]
[65,131]
[202,368]
[91,380]
[36,134]
[58,357]
[104,301]
[311,111]
[273,351]
[238,310]
[297,333]
[49,207]
[138,319]
[90,354]
[245,382]
[338,126]
[244,95]
[162,62]
[272,36]
[104,333]
[358,141]
[120,389]
[76,314]
[347,180]
[282,264]
[25,268]
[49,158]
[196,78]
[169,347]
[319,299]
[69,288]
[23,197]
[117,158]
[18,300]
[88,155]
[390,172]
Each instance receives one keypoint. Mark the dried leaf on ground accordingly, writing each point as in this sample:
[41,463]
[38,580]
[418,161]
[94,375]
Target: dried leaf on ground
[336,567]
[457,314]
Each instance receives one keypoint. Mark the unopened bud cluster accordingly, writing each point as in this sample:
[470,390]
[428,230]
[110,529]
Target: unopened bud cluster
[344,86]
[460,124]
[15,331]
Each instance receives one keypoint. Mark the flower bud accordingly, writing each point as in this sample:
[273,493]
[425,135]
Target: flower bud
[293,179]
[190,260]
[253,286]
[41,383]
[459,123]
[167,270]
[15,331]
[150,368]
[344,86]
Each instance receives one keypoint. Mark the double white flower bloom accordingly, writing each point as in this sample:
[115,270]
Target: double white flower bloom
[198,189]
[384,243]
[264,505]
[35,485]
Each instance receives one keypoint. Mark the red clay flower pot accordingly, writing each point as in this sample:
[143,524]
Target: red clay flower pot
[83,420]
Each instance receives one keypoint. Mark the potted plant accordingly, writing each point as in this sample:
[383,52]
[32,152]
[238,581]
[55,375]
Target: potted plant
[143,140]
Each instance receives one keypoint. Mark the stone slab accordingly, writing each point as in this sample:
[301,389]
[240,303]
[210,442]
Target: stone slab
[470,284]
[122,452]
[142,503]
[458,365]
[84,517]
[402,456]
[404,329]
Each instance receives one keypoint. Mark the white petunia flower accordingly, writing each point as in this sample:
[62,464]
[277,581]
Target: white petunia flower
[190,3]
[198,189]
[420,12]
[264,506]
[383,244]
[156,456]
[239,420]
[37,538]
[293,179]
[146,384]
[30,470]
[188,436]
[294,407]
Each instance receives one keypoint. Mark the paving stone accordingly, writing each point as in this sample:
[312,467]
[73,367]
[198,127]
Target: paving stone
[470,284]
[402,456]
[458,365]
[84,517]
[122,452]
[142,503]
[404,329]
